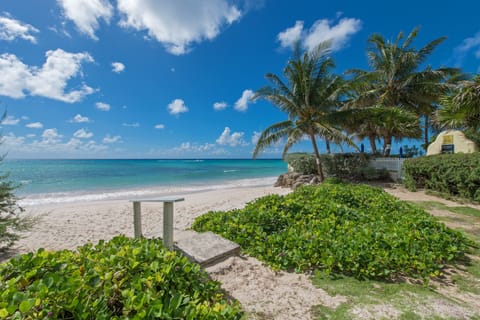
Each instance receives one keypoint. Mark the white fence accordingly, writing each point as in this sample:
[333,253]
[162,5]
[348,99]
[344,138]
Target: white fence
[393,165]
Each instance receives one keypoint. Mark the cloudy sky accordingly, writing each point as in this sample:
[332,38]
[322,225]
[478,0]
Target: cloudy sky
[173,78]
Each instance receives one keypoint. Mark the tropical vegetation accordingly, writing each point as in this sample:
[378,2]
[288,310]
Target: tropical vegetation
[453,175]
[397,98]
[119,279]
[338,228]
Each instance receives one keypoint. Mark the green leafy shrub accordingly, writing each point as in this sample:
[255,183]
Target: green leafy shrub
[354,230]
[302,163]
[119,279]
[456,175]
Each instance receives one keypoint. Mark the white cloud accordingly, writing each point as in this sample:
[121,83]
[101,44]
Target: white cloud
[177,106]
[10,121]
[86,14]
[102,106]
[159,126]
[112,139]
[231,139]
[178,24]
[131,125]
[34,125]
[80,119]
[220,106]
[18,79]
[193,147]
[322,30]
[10,29]
[31,135]
[245,99]
[83,134]
[10,140]
[51,136]
[255,137]
[118,67]
[291,35]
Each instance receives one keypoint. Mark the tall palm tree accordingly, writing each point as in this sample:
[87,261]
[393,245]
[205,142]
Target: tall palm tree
[461,108]
[396,80]
[308,96]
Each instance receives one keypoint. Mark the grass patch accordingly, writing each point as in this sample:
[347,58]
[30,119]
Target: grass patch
[464,210]
[380,300]
[355,230]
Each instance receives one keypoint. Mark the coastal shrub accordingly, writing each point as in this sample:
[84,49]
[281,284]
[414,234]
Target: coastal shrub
[455,175]
[11,223]
[356,230]
[303,163]
[118,279]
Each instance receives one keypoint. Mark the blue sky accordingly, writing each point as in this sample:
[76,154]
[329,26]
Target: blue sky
[172,78]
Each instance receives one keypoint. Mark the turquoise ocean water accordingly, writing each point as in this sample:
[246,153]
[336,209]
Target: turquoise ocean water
[56,181]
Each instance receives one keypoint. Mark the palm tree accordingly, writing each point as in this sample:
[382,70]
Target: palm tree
[309,97]
[396,81]
[461,108]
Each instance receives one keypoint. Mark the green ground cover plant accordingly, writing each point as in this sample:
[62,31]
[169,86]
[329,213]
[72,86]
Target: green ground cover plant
[339,228]
[455,175]
[118,279]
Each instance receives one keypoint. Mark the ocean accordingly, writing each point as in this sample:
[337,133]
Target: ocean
[60,181]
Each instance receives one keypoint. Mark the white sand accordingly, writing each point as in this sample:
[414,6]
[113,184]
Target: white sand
[262,292]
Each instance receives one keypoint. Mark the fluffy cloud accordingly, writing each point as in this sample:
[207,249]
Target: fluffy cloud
[18,79]
[112,139]
[256,135]
[10,121]
[11,29]
[83,134]
[34,125]
[231,139]
[220,106]
[102,106]
[86,14]
[118,67]
[80,119]
[177,106]
[322,30]
[131,125]
[192,147]
[242,103]
[51,136]
[159,126]
[178,24]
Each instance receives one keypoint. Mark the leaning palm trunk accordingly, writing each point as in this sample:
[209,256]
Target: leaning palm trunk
[371,139]
[387,146]
[327,145]
[317,157]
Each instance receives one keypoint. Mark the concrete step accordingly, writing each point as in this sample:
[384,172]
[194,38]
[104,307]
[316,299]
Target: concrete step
[205,248]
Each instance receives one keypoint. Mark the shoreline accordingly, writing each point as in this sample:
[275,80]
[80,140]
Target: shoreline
[72,197]
[72,224]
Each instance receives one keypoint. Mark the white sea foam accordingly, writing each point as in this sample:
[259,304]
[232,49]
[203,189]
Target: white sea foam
[131,194]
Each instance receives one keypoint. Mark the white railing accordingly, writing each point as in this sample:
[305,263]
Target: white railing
[392,165]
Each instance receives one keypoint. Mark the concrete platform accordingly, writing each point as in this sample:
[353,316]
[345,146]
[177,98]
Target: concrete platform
[205,248]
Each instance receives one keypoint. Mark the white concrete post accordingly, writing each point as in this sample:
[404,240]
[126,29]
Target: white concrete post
[168,224]
[137,220]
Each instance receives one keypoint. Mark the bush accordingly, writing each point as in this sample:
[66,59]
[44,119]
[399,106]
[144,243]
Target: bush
[354,230]
[456,175]
[10,220]
[346,166]
[119,279]
[302,163]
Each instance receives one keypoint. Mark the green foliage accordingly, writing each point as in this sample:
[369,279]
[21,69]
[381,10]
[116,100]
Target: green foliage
[456,175]
[119,279]
[10,221]
[302,163]
[354,230]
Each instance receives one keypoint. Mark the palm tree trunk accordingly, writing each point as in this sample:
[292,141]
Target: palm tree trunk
[387,146]
[426,120]
[317,158]
[327,144]
[373,145]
